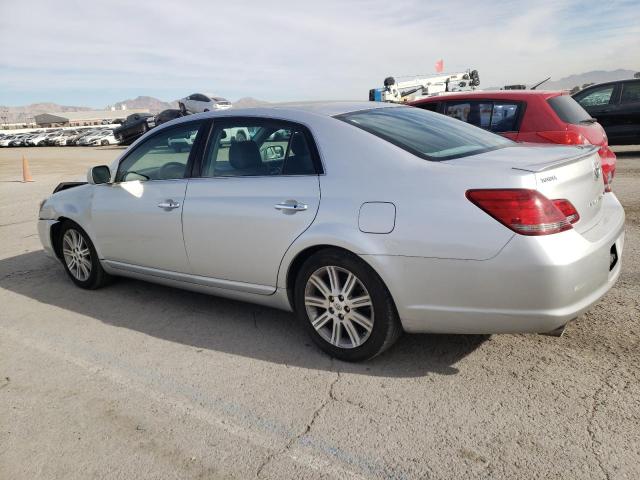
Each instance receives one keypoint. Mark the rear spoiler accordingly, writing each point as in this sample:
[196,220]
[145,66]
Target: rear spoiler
[541,167]
[67,186]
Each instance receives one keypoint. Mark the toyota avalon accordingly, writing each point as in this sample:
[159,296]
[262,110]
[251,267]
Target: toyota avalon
[365,220]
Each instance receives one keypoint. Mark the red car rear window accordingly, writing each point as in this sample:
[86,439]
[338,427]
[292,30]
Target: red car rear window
[569,111]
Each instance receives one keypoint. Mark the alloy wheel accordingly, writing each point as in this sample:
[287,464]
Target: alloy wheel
[77,255]
[339,307]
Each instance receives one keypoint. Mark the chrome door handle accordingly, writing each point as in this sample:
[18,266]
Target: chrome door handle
[291,206]
[168,205]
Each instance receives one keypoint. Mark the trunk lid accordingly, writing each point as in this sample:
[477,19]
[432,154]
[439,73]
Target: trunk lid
[576,177]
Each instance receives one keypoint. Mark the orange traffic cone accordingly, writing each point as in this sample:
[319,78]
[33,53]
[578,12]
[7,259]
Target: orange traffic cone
[26,173]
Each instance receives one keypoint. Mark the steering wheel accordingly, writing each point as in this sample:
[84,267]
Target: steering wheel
[172,170]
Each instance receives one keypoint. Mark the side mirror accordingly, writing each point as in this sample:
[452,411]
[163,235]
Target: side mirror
[99,175]
[274,152]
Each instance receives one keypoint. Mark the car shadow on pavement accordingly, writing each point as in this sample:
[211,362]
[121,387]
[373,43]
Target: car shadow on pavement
[214,323]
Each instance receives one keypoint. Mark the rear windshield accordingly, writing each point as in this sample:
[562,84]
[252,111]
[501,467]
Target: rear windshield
[568,110]
[426,134]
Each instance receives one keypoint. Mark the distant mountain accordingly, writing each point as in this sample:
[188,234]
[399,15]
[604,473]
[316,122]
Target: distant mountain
[594,76]
[25,113]
[247,102]
[149,103]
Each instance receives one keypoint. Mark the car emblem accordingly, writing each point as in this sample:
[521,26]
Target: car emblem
[597,170]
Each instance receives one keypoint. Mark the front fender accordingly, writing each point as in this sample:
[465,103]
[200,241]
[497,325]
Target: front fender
[74,204]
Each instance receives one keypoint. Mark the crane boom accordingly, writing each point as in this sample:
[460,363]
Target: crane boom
[413,88]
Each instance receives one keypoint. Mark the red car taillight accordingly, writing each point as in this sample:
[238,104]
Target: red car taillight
[564,137]
[526,212]
[608,166]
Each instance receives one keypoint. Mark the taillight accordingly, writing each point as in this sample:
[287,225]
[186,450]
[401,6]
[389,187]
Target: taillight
[564,137]
[526,212]
[567,209]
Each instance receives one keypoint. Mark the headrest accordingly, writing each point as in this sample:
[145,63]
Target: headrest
[244,155]
[299,144]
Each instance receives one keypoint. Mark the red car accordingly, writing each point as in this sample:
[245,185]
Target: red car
[528,116]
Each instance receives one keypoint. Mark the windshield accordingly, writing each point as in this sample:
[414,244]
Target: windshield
[568,110]
[426,134]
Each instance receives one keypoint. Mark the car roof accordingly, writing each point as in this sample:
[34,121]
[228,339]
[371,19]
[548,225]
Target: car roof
[612,82]
[292,110]
[322,108]
[499,94]
[295,111]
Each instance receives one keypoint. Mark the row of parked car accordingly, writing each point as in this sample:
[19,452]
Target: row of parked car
[129,130]
[86,136]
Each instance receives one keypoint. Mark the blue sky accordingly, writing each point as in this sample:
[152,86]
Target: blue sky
[96,53]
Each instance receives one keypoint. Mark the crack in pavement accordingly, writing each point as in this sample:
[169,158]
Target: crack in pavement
[316,413]
[6,384]
[591,432]
[20,273]
[15,223]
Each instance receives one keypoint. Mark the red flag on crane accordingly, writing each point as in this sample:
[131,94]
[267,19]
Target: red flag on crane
[439,66]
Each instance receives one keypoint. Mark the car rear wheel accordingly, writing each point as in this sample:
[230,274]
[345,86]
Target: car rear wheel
[345,306]
[183,109]
[241,137]
[80,259]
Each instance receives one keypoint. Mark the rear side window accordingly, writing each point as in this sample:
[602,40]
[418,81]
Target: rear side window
[475,113]
[250,148]
[425,134]
[504,117]
[630,92]
[496,116]
[568,110]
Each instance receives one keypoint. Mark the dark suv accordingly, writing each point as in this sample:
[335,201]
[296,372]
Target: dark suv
[616,106]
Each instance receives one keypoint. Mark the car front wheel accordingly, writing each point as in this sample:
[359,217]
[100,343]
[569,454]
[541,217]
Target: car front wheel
[80,259]
[345,306]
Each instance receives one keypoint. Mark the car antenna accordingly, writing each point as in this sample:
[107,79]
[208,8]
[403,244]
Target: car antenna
[540,83]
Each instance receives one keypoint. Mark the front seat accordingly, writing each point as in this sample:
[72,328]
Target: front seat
[244,158]
[300,163]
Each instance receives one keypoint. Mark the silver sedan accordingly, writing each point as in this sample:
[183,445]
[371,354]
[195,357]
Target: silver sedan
[365,219]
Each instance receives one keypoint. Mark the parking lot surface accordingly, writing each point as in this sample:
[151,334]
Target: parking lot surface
[142,381]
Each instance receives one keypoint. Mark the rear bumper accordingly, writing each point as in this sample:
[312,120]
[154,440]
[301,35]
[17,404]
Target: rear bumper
[535,284]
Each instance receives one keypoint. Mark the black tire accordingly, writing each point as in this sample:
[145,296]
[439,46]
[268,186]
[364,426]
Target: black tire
[97,276]
[386,327]
[104,142]
[183,109]
[241,137]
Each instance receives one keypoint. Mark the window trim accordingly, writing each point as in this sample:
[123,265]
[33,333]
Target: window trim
[192,153]
[231,121]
